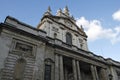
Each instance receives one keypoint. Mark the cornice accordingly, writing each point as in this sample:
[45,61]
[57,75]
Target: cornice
[22,32]
[21,23]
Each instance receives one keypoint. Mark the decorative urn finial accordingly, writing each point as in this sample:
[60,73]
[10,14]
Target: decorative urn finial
[48,12]
[66,10]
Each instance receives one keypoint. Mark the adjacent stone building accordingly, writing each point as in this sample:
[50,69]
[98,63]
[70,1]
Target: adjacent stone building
[55,50]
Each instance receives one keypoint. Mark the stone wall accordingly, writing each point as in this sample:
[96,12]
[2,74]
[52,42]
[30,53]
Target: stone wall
[42,54]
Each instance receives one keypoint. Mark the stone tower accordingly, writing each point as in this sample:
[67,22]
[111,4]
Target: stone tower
[63,27]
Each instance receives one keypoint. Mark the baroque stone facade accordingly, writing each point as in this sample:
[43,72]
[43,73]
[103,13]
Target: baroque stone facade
[55,50]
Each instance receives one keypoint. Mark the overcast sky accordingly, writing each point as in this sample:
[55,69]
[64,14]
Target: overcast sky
[100,19]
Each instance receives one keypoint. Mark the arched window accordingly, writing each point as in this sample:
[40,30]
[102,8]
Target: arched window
[48,69]
[55,35]
[19,69]
[69,38]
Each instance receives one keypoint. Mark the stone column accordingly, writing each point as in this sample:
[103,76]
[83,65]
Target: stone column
[103,74]
[74,69]
[61,68]
[56,67]
[78,71]
[94,72]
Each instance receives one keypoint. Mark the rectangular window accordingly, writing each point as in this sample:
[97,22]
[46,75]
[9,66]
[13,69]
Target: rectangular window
[47,72]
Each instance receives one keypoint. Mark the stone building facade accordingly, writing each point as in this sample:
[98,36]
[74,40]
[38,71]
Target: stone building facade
[55,50]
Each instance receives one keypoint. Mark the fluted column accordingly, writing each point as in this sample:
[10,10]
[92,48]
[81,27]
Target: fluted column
[56,67]
[78,71]
[94,72]
[74,69]
[61,68]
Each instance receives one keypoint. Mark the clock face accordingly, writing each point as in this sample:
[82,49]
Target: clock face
[68,23]
[80,40]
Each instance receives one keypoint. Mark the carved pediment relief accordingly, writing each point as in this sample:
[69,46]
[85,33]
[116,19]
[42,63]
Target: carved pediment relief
[48,61]
[23,48]
[68,23]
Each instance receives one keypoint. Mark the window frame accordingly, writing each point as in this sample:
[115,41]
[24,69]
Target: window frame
[69,38]
[47,74]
